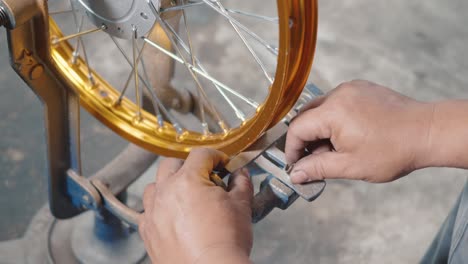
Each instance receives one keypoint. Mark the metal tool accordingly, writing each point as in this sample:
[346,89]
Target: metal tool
[271,159]
[268,155]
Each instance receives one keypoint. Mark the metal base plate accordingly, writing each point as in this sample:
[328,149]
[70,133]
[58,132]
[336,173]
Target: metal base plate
[49,240]
[88,248]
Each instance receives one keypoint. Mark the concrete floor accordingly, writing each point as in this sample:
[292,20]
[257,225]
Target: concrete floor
[416,47]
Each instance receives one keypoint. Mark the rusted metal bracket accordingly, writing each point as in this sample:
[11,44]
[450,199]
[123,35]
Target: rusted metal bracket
[100,190]
[115,206]
[95,195]
[83,194]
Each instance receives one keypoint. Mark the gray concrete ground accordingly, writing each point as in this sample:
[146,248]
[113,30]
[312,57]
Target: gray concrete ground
[416,47]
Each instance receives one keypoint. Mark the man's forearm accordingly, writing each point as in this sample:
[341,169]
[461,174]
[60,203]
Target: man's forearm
[448,135]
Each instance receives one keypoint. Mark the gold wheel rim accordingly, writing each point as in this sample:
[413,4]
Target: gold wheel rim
[296,50]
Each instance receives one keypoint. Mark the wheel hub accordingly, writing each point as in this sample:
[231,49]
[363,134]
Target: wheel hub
[120,18]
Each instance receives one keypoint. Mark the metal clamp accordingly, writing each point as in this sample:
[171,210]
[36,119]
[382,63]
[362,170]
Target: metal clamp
[267,153]
[277,190]
[273,194]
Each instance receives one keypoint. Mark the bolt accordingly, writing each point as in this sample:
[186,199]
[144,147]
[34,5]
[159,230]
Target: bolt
[86,198]
[86,202]
[36,72]
[4,20]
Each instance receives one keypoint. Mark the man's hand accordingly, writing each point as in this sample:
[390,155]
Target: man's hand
[188,219]
[360,131]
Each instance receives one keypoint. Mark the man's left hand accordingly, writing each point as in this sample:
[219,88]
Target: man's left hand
[188,219]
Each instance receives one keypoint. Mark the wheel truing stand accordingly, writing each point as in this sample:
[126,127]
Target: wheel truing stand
[111,238]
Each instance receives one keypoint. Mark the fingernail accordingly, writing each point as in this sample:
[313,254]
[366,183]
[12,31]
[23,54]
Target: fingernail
[298,176]
[245,171]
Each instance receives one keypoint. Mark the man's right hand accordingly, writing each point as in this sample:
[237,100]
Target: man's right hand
[361,131]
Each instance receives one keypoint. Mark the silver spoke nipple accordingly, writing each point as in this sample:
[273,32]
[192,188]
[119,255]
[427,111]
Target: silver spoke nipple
[223,127]
[91,80]
[160,121]
[206,130]
[137,118]
[117,102]
[75,54]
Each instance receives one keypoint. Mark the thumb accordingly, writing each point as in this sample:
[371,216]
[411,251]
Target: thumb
[240,186]
[325,165]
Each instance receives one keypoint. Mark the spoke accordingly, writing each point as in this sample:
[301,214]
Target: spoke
[90,73]
[145,81]
[154,102]
[202,73]
[124,90]
[135,71]
[200,92]
[127,83]
[119,47]
[180,7]
[60,12]
[253,15]
[157,102]
[175,123]
[122,93]
[80,43]
[247,45]
[76,52]
[189,39]
[195,69]
[158,105]
[237,111]
[75,18]
[269,47]
[79,34]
